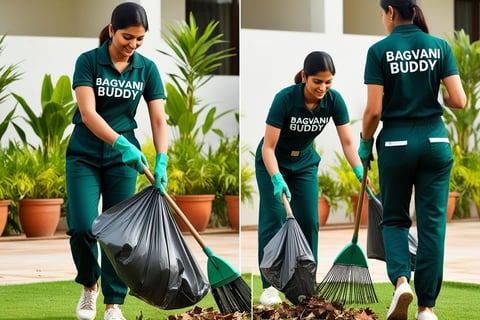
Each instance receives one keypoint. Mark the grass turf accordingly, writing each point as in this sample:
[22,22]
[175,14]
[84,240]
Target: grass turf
[57,301]
[456,301]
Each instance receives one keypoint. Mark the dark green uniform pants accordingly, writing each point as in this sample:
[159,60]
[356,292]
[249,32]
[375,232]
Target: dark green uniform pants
[94,168]
[415,154]
[300,173]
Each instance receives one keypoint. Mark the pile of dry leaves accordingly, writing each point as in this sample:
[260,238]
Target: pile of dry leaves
[310,308]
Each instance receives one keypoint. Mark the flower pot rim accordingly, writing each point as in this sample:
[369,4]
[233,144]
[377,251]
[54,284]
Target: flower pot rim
[42,200]
[194,196]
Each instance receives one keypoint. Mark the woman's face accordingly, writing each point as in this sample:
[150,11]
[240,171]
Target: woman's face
[317,85]
[126,41]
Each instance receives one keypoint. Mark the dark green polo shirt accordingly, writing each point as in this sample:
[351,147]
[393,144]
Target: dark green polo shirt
[409,64]
[117,94]
[299,126]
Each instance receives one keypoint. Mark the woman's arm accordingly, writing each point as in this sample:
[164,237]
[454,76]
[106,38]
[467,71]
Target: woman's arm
[373,111]
[455,96]
[86,105]
[268,149]
[158,122]
[348,145]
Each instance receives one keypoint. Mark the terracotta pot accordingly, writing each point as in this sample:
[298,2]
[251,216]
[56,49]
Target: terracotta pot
[323,211]
[364,217]
[3,214]
[452,198]
[39,217]
[197,208]
[233,210]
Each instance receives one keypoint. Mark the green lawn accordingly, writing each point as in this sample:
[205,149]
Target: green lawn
[57,301]
[457,301]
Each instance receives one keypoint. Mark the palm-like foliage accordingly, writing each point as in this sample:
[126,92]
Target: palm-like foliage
[463,124]
[465,179]
[8,75]
[189,172]
[196,58]
[57,107]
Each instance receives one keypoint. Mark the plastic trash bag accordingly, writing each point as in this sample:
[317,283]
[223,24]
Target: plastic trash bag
[288,263]
[149,253]
[375,246]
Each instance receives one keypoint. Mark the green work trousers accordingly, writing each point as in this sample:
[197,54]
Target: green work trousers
[95,169]
[300,173]
[415,155]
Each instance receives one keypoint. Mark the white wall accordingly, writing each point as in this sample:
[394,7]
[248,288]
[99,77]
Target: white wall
[268,62]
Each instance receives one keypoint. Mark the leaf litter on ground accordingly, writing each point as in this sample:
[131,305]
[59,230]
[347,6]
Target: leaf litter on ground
[309,308]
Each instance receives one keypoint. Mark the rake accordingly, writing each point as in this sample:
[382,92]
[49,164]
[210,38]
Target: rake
[348,280]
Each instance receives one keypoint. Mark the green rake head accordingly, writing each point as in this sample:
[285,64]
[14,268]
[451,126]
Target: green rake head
[353,255]
[220,272]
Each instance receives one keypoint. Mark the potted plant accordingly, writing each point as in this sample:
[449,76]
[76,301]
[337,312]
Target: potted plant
[464,183]
[37,173]
[4,200]
[196,57]
[8,75]
[190,181]
[328,197]
[231,180]
[226,180]
[464,128]
[40,183]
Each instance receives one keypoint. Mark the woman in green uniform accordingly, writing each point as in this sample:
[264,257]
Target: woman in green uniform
[286,160]
[403,73]
[103,156]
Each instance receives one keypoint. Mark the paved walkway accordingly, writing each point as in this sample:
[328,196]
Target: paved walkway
[27,260]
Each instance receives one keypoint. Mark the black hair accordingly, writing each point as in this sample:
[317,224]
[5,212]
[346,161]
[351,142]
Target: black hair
[408,10]
[125,15]
[316,61]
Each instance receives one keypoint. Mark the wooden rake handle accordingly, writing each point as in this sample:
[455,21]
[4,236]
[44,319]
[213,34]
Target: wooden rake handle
[360,202]
[286,204]
[177,210]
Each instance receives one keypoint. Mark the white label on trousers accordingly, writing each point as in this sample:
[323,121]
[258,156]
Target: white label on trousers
[396,143]
[434,140]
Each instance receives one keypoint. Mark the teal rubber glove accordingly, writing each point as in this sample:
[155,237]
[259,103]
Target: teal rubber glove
[160,172]
[365,151]
[279,187]
[358,170]
[131,156]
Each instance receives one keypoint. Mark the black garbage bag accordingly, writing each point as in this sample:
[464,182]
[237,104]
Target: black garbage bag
[149,253]
[375,246]
[288,263]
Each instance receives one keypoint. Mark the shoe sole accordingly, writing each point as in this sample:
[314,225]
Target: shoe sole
[401,309]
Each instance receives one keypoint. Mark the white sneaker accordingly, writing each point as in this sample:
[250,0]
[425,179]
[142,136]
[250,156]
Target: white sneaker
[270,297]
[425,315]
[401,300]
[113,314]
[87,305]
